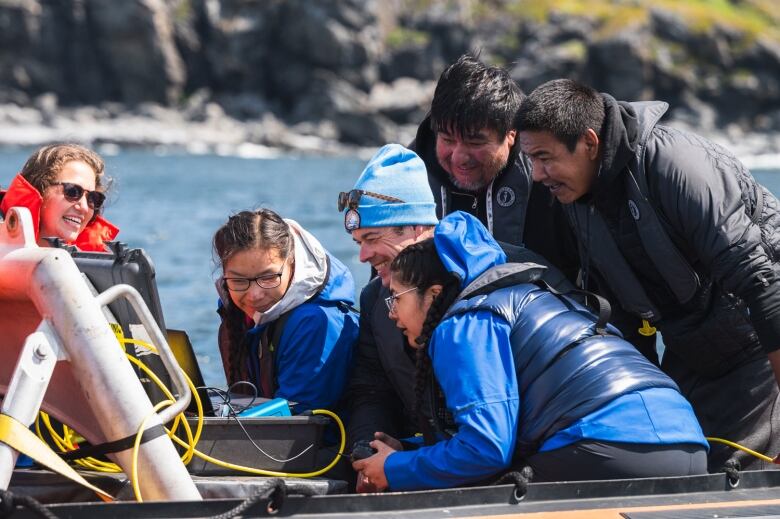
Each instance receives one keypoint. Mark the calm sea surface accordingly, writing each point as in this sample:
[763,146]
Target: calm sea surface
[171,205]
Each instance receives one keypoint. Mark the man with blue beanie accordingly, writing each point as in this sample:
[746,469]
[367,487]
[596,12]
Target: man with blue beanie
[391,207]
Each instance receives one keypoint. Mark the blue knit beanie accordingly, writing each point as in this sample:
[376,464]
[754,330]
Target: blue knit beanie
[400,175]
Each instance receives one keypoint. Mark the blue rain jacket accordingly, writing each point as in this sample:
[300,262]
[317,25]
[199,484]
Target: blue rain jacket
[314,354]
[488,356]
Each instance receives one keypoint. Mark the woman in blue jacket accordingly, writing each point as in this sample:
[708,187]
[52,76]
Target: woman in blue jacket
[528,377]
[285,303]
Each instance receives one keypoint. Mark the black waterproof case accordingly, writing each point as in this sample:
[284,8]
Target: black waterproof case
[123,265]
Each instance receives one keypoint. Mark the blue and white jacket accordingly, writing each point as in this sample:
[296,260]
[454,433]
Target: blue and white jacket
[314,355]
[524,371]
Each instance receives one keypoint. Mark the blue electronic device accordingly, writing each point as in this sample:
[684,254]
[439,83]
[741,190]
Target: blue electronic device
[275,407]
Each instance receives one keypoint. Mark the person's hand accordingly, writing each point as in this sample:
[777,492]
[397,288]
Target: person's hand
[363,485]
[371,470]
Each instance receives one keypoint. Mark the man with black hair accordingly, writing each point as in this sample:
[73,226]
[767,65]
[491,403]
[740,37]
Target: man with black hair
[468,144]
[683,238]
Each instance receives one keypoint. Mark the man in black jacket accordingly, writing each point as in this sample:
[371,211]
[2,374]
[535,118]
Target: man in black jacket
[680,234]
[468,144]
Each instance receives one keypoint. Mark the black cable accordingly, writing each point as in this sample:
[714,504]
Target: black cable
[233,413]
[254,390]
[9,502]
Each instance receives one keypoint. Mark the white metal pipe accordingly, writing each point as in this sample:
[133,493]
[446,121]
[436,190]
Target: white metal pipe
[50,279]
[26,389]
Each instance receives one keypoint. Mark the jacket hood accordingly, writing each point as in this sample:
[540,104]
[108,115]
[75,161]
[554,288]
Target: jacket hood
[619,135]
[316,274]
[311,272]
[21,193]
[424,145]
[466,247]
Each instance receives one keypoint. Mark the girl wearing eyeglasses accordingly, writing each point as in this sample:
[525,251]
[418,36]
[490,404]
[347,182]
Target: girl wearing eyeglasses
[529,377]
[286,305]
[62,186]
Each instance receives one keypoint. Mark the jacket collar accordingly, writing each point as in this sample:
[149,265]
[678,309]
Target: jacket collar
[21,193]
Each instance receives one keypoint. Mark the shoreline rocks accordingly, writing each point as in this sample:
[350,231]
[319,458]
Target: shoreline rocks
[206,128]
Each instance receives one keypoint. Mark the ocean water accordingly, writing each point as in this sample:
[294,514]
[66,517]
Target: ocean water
[171,205]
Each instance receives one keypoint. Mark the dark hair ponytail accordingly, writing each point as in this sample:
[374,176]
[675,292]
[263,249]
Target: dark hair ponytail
[262,229]
[419,265]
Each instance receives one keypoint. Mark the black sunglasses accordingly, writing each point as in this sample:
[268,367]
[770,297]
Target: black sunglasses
[351,199]
[74,192]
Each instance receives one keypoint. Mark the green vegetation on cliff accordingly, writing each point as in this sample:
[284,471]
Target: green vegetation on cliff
[751,18]
[748,18]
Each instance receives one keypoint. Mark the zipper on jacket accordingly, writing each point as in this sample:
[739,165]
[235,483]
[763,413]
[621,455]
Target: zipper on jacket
[474,203]
[489,206]
[585,251]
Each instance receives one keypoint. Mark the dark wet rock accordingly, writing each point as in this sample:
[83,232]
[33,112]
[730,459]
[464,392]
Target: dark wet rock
[619,65]
[404,101]
[669,26]
[335,74]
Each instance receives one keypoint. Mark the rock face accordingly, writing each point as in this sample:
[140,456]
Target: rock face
[359,72]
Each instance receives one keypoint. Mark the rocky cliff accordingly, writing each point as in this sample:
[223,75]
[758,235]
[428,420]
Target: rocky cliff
[319,74]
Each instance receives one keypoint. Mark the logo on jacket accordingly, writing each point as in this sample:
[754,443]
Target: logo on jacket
[633,209]
[505,196]
[351,220]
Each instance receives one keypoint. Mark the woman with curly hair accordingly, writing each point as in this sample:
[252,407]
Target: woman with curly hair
[63,186]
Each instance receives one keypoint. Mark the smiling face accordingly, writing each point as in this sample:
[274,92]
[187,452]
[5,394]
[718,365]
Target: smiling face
[254,263]
[568,174]
[61,218]
[411,308]
[380,245]
[473,161]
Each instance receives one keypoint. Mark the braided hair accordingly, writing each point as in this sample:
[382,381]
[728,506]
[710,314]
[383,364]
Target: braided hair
[419,265]
[262,229]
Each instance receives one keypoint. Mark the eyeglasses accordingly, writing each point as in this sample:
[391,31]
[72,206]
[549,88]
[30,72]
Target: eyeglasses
[391,300]
[265,281]
[351,199]
[74,192]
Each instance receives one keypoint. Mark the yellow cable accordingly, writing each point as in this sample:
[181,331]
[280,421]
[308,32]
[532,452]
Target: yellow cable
[65,444]
[187,456]
[137,445]
[740,447]
[251,470]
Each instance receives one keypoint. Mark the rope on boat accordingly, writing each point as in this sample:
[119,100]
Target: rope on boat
[9,503]
[521,480]
[732,467]
[275,494]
